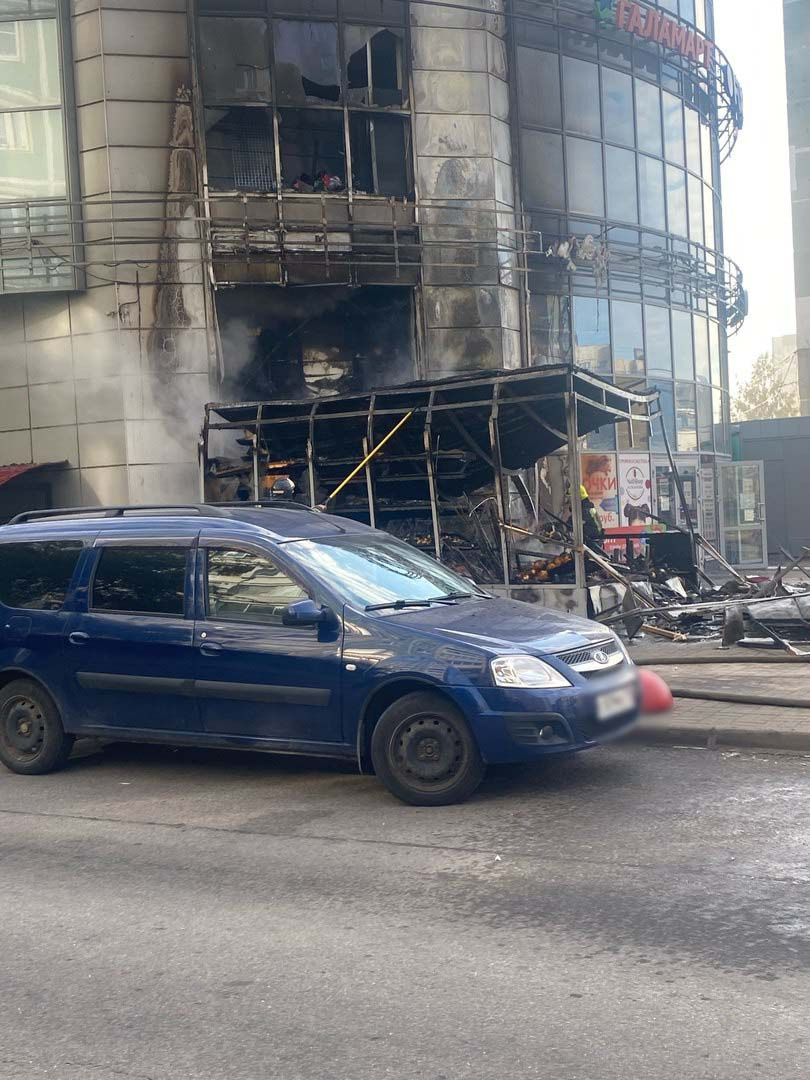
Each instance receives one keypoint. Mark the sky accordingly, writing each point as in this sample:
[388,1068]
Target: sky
[756,178]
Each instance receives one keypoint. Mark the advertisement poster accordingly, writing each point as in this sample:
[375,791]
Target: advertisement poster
[600,481]
[635,489]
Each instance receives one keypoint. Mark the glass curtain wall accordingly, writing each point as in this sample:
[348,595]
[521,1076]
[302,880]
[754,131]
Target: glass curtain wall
[618,142]
[305,97]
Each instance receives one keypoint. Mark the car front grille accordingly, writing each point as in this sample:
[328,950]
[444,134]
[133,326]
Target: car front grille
[582,660]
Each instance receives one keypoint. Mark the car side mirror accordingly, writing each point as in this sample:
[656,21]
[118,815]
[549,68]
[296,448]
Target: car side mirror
[306,613]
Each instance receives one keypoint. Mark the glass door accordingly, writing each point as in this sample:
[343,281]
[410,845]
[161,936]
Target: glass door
[742,514]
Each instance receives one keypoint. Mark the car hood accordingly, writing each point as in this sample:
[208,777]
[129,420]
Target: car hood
[506,625]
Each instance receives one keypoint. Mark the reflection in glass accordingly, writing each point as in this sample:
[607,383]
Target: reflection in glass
[682,345]
[651,188]
[692,139]
[628,339]
[29,64]
[702,361]
[550,329]
[620,166]
[648,117]
[708,216]
[233,60]
[676,201]
[306,61]
[674,141]
[714,353]
[659,346]
[696,210]
[539,87]
[686,417]
[585,190]
[667,402]
[617,102]
[704,418]
[592,334]
[543,176]
[581,94]
[32,155]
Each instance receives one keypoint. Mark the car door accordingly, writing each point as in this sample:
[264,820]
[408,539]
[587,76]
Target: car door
[254,677]
[129,653]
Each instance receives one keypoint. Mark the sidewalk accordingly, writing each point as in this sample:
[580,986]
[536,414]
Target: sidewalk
[712,723]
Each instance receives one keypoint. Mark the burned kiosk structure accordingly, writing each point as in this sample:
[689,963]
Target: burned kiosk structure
[477,469]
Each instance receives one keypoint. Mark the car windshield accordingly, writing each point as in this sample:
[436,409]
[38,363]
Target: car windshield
[371,570]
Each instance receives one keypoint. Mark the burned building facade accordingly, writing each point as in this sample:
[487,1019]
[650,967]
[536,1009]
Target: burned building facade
[249,199]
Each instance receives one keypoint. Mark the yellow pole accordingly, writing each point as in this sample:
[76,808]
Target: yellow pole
[369,456]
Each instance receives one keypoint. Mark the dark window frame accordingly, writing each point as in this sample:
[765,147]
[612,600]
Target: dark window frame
[178,544]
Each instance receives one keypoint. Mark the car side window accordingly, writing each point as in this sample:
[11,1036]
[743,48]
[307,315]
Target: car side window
[141,580]
[245,587]
[37,575]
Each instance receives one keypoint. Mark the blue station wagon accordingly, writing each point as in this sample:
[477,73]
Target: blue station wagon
[286,630]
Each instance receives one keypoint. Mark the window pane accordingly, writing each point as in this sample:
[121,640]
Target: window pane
[676,200]
[29,64]
[706,152]
[648,114]
[692,140]
[682,345]
[704,418]
[311,145]
[685,417]
[550,329]
[387,10]
[234,64]
[373,65]
[617,99]
[702,361]
[539,87]
[543,177]
[696,210]
[581,94]
[585,191]
[714,353]
[147,580]
[674,141]
[621,184]
[379,160]
[688,10]
[239,149]
[651,184]
[306,62]
[592,334]
[37,575]
[659,346]
[667,399]
[628,339]
[243,587]
[708,216]
[32,155]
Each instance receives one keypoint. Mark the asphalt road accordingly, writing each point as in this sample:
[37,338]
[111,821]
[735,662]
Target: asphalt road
[633,914]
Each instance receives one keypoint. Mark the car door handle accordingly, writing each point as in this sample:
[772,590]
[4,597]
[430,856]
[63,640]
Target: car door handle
[78,637]
[210,648]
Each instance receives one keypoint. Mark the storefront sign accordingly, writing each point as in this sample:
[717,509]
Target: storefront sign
[653,25]
[600,481]
[635,489]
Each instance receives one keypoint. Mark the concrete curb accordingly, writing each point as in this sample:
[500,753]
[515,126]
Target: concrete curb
[722,738]
[688,693]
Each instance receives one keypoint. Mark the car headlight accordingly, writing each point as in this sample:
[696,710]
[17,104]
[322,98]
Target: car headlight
[526,672]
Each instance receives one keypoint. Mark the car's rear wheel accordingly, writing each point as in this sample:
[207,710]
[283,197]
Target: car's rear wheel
[424,752]
[32,739]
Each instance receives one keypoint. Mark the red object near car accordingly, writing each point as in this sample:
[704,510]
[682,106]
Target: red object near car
[656,696]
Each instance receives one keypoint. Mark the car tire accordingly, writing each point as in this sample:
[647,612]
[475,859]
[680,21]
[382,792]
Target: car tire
[424,752]
[32,738]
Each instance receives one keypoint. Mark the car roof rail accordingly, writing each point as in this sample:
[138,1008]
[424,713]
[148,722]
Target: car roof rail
[202,509]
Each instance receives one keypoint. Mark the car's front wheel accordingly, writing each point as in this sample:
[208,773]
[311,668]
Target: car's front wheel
[424,752]
[32,739]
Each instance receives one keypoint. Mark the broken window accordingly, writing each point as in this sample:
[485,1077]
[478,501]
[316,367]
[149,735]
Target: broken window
[234,60]
[240,149]
[374,69]
[312,150]
[379,153]
[306,62]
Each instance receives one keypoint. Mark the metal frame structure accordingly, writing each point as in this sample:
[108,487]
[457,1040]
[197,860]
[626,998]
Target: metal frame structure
[464,437]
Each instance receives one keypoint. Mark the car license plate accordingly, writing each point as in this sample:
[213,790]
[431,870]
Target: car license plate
[614,703]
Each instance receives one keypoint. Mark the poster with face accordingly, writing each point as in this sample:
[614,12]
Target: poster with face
[600,481]
[635,489]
